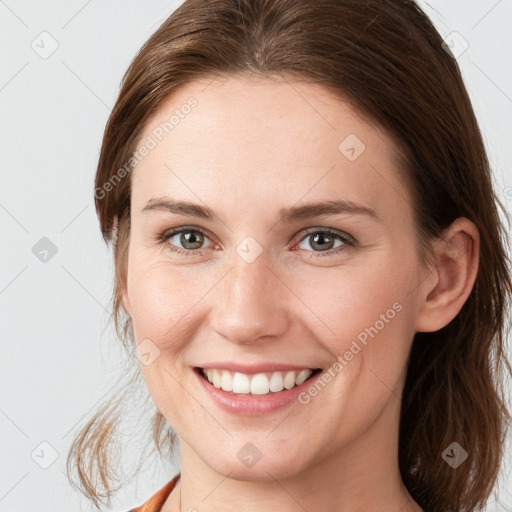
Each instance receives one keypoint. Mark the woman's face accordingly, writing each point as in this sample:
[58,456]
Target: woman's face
[261,281]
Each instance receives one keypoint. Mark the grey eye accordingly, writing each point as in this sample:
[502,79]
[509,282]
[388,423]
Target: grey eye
[322,240]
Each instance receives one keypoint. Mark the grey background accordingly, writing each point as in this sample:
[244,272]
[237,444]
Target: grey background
[59,355]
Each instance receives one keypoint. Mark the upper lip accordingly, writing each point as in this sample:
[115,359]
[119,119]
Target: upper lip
[254,368]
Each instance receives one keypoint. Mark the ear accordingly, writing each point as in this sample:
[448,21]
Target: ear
[457,260]
[125,301]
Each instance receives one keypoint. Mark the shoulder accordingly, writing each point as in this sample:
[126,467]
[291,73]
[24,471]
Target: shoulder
[156,501]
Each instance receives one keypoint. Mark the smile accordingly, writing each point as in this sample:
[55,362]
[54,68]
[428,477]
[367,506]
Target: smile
[256,383]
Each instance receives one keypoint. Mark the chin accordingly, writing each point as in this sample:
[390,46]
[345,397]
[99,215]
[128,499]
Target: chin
[266,469]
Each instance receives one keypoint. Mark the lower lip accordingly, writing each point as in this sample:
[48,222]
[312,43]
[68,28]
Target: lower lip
[253,405]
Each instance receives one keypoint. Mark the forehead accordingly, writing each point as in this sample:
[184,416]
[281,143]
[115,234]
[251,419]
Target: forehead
[234,141]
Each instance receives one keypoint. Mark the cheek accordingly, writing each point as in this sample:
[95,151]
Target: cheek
[350,297]
[366,313]
[164,298]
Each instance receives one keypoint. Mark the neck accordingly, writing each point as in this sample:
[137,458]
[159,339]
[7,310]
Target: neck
[361,476]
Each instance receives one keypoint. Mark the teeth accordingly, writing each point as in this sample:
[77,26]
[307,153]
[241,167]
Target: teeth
[289,380]
[256,384]
[276,382]
[241,383]
[302,376]
[260,385]
[226,382]
[216,379]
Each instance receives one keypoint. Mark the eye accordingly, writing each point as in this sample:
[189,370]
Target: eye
[191,240]
[324,240]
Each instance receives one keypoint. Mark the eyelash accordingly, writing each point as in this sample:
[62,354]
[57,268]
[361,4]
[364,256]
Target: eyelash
[348,241]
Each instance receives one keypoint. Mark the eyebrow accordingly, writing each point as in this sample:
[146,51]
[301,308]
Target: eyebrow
[286,215]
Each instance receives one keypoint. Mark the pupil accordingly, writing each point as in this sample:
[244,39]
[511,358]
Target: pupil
[190,237]
[322,237]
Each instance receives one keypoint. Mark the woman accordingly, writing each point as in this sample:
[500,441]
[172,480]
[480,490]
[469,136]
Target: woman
[310,258]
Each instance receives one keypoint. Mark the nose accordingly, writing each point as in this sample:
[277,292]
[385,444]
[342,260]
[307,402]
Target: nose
[251,303]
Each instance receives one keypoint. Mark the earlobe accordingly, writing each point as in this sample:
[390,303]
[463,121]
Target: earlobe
[457,259]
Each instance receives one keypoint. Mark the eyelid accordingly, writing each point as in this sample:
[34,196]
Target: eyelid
[320,229]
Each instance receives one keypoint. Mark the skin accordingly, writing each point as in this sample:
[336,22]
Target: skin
[249,148]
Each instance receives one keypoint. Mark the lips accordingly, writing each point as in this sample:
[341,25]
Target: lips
[252,404]
[254,368]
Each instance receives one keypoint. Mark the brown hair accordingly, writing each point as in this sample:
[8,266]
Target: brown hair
[387,58]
